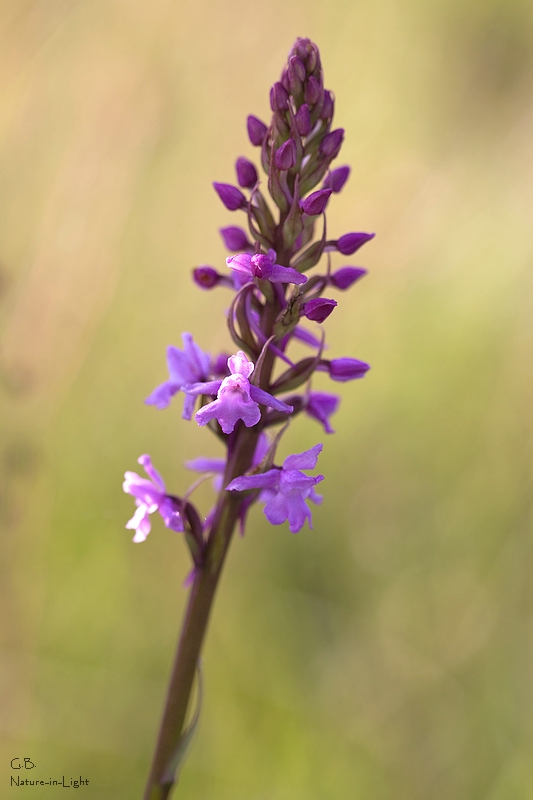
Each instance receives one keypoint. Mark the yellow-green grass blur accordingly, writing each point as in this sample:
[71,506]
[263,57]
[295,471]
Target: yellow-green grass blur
[386,654]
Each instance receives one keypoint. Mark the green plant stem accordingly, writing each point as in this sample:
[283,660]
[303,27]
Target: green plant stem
[196,618]
[202,592]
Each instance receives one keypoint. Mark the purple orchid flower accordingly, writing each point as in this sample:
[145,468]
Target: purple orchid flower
[262,266]
[236,399]
[150,496]
[289,488]
[189,365]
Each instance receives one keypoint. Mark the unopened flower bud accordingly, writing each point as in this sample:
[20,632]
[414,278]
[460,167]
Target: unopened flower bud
[206,277]
[318,309]
[279,98]
[331,144]
[316,202]
[312,60]
[246,173]
[336,179]
[327,108]
[303,120]
[351,242]
[256,130]
[232,197]
[301,48]
[286,155]
[344,277]
[346,369]
[235,238]
[297,67]
[312,91]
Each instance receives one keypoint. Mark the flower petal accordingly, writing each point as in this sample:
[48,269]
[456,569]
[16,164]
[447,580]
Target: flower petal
[146,462]
[286,275]
[162,395]
[206,464]
[207,387]
[265,480]
[266,399]
[305,460]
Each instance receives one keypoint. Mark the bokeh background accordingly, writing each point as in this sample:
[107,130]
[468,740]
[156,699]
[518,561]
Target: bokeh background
[386,654]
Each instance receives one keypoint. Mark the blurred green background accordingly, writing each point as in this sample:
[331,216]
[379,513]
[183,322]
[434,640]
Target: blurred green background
[386,654]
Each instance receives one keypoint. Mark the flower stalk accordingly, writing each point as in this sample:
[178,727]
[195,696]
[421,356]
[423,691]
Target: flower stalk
[237,396]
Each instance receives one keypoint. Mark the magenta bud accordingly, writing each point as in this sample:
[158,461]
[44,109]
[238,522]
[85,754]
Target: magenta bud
[331,144]
[345,277]
[318,309]
[261,266]
[316,202]
[303,120]
[285,81]
[232,197]
[351,242]
[206,277]
[286,155]
[234,238]
[336,179]
[256,130]
[327,108]
[347,369]
[312,91]
[279,99]
[302,47]
[297,68]
[246,173]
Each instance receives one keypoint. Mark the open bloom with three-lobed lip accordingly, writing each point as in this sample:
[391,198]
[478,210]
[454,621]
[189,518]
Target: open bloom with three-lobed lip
[287,489]
[237,398]
[150,496]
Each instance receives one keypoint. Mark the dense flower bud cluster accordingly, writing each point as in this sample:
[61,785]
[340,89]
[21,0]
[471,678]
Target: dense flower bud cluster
[237,396]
